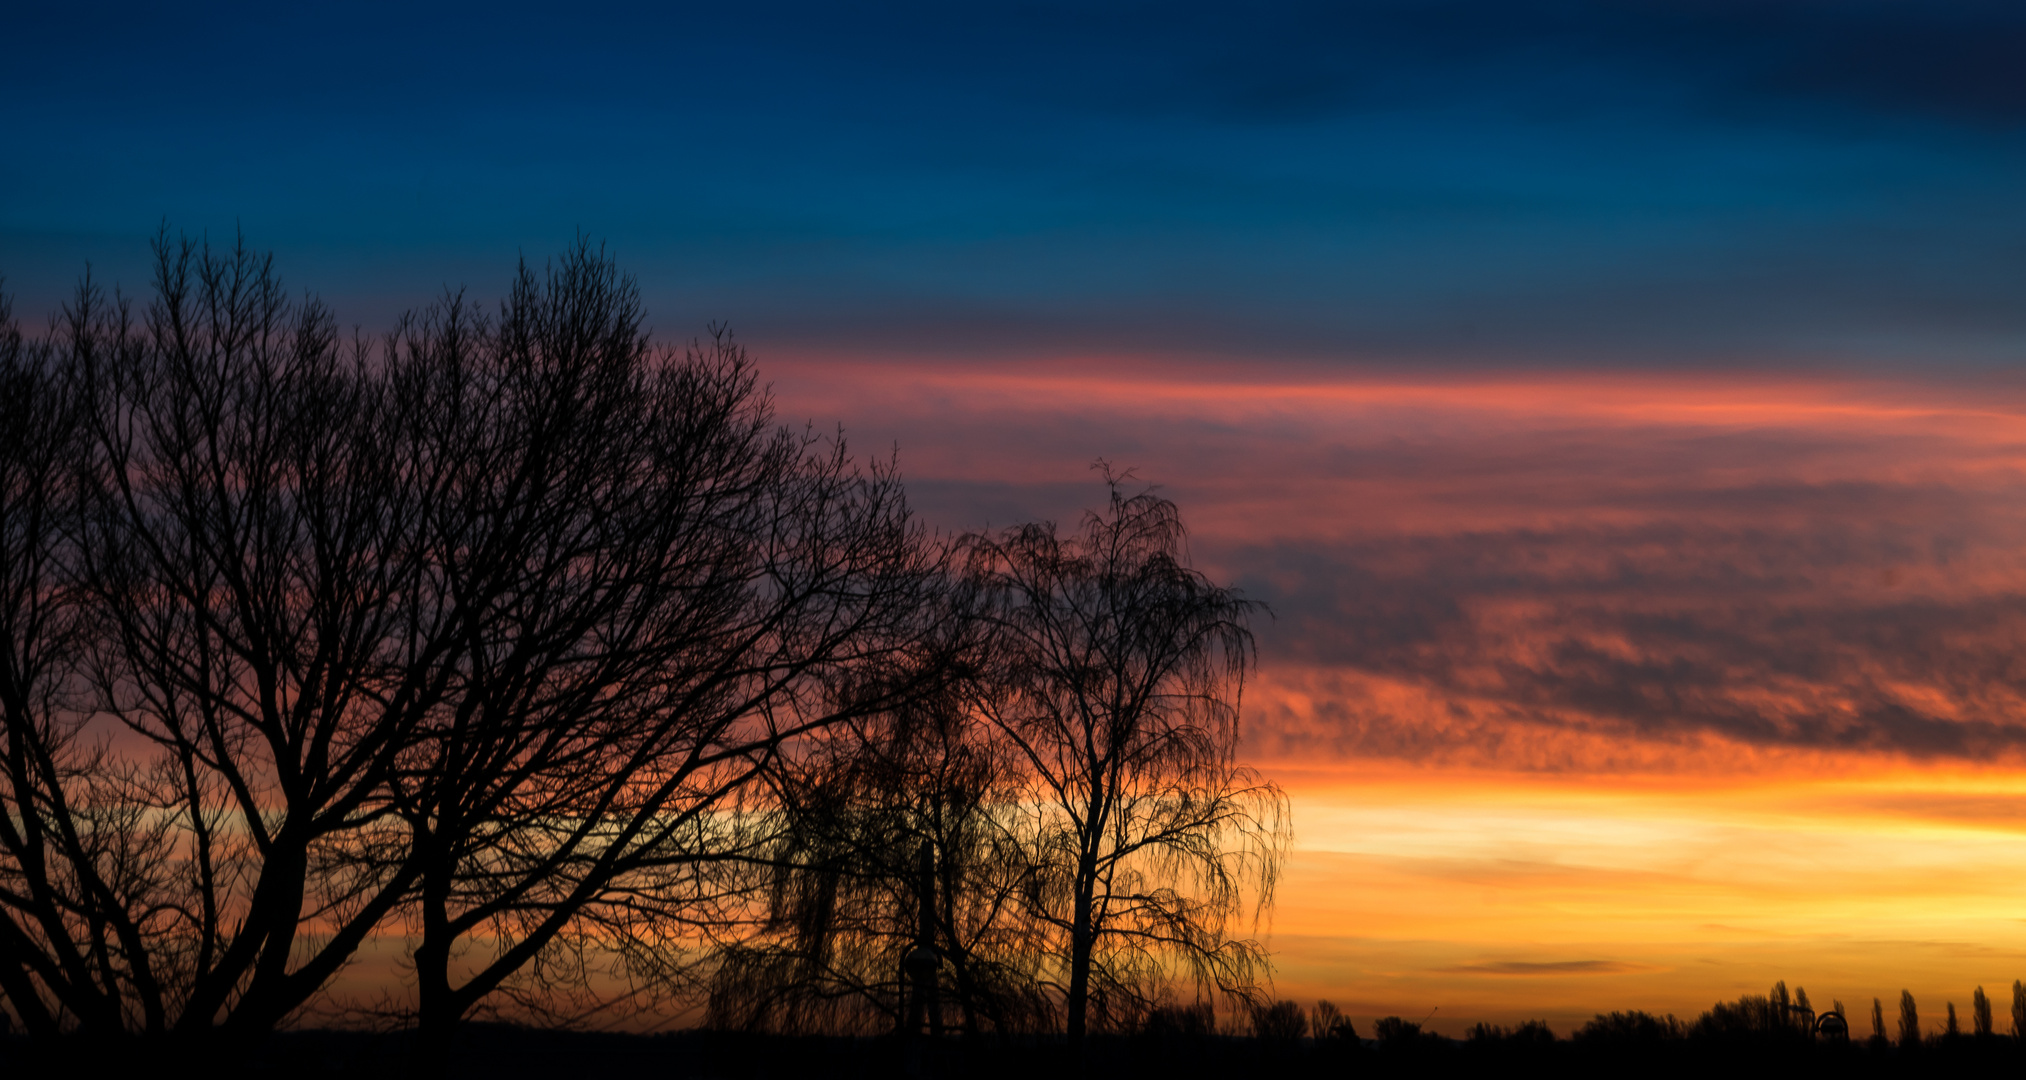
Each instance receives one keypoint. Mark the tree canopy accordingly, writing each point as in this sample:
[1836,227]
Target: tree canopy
[538,647]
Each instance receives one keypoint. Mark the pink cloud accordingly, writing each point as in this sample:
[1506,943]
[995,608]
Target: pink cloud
[1555,567]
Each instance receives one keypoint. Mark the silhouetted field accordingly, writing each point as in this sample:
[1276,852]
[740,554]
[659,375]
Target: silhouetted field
[509,1053]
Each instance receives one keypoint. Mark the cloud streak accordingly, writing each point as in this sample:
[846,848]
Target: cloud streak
[1544,967]
[1558,572]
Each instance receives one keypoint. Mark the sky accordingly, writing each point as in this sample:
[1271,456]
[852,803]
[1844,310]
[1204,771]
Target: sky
[1618,406]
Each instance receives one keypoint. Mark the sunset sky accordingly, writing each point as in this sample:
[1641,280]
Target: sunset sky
[1619,406]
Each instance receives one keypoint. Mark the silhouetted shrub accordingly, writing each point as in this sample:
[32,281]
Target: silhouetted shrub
[1753,1016]
[1405,1047]
[1165,1022]
[1528,1047]
[1393,1031]
[1532,1033]
[1529,1033]
[1281,1022]
[1629,1029]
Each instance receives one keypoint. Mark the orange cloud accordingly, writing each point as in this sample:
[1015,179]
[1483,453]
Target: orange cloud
[1531,564]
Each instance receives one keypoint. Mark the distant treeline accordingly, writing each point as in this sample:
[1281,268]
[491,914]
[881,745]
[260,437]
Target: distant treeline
[1777,1016]
[1751,1036]
[535,651]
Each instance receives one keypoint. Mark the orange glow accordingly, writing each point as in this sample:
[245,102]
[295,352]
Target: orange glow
[1505,897]
[1590,691]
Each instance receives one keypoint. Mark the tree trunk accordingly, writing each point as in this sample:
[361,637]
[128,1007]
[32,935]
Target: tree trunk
[1080,941]
[954,951]
[436,1005]
[262,946]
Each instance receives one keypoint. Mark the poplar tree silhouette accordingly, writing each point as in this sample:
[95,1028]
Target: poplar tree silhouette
[1909,1020]
[1980,1013]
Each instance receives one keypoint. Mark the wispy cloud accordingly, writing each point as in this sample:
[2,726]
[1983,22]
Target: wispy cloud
[1552,572]
[1545,967]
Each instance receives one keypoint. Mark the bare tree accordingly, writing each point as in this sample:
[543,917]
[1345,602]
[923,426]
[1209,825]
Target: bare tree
[60,858]
[496,628]
[845,905]
[1327,1021]
[997,773]
[846,902]
[237,557]
[1119,688]
[675,592]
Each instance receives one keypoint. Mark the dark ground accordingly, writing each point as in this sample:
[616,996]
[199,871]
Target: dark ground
[511,1053]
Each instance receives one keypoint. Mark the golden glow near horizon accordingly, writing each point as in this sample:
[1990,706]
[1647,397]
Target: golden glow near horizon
[1504,898]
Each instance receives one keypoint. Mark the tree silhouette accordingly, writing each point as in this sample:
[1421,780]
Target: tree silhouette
[57,863]
[1120,671]
[1075,772]
[1751,1016]
[1629,1028]
[521,639]
[1281,1023]
[490,632]
[844,903]
[1326,1021]
[234,574]
[671,592]
[1909,1020]
[1980,1013]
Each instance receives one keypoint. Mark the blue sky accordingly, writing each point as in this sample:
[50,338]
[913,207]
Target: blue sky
[1526,184]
